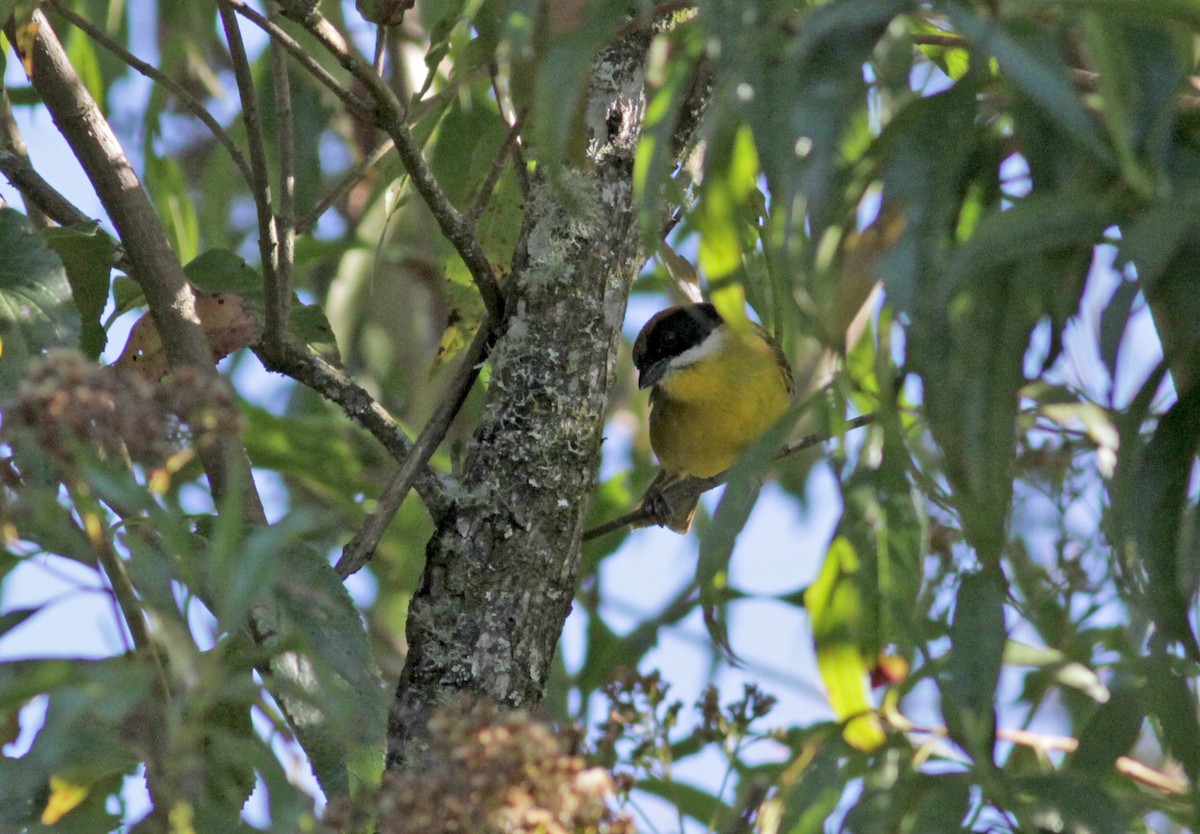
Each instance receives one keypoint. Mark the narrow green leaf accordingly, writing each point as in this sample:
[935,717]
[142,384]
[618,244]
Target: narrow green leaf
[562,76]
[977,640]
[1110,733]
[36,308]
[1162,487]
[1112,323]
[1062,670]
[309,601]
[1069,802]
[1120,97]
[691,801]
[1171,700]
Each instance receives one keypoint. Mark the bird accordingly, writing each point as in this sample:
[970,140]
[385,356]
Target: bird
[714,390]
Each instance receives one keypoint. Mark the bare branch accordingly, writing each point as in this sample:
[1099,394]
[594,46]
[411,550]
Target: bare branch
[484,194]
[355,104]
[39,193]
[279,297]
[260,185]
[512,120]
[185,98]
[152,262]
[332,384]
[359,551]
[306,223]
[12,142]
[390,117]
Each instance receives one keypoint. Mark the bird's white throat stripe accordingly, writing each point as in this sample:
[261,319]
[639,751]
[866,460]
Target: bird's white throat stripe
[711,344]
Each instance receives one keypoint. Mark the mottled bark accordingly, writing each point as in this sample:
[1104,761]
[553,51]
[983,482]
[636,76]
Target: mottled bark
[501,569]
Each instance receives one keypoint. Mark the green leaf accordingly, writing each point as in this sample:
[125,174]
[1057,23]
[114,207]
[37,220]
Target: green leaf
[970,333]
[977,640]
[87,254]
[168,188]
[36,308]
[690,801]
[219,271]
[339,717]
[1162,486]
[562,80]
[1113,321]
[1069,802]
[1111,732]
[1037,70]
[1062,670]
[927,186]
[670,72]
[11,619]
[315,450]
[1170,700]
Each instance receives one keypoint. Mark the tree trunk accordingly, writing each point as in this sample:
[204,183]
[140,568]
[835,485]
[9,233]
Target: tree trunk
[501,569]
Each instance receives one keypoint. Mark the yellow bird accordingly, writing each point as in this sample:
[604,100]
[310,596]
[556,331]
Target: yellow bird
[715,390]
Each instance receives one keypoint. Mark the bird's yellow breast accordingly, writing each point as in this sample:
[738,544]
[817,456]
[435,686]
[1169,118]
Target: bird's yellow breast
[704,415]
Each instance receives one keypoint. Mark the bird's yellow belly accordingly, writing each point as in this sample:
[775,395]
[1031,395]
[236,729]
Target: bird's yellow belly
[701,435]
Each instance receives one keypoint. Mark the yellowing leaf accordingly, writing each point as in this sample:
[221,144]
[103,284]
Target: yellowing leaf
[181,819]
[64,797]
[835,603]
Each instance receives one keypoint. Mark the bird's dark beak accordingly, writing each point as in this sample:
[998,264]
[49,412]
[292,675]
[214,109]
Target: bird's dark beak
[652,374]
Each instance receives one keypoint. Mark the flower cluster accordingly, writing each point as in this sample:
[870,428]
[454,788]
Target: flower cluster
[491,770]
[67,406]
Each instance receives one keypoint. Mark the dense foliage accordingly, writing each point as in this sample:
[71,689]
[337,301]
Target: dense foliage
[971,224]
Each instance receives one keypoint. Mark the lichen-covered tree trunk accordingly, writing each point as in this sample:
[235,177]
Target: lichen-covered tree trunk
[500,570]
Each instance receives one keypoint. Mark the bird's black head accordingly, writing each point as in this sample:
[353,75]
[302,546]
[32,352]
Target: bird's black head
[668,334]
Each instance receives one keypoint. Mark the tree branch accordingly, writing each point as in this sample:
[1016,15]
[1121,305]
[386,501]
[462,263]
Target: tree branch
[360,550]
[185,98]
[500,570]
[390,117]
[39,193]
[260,185]
[306,223]
[152,262]
[332,384]
[353,103]
[12,143]
[279,292]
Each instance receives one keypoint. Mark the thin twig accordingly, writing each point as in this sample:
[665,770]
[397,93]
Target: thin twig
[260,186]
[12,141]
[185,98]
[512,120]
[36,190]
[279,297]
[306,223]
[1124,764]
[360,550]
[356,105]
[946,41]
[332,384]
[694,487]
[484,194]
[391,119]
